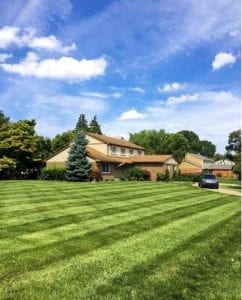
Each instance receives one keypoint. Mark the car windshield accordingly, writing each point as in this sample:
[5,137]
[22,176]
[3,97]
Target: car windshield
[209,176]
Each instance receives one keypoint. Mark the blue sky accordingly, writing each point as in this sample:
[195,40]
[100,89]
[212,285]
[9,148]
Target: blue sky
[139,64]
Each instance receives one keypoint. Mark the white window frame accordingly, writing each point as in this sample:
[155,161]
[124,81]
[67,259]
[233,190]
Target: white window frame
[113,150]
[103,165]
[123,151]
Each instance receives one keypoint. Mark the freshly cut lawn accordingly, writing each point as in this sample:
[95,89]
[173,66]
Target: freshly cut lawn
[120,240]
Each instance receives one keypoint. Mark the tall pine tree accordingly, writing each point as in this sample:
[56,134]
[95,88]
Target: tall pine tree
[77,166]
[94,126]
[81,124]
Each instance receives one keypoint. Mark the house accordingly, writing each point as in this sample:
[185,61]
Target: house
[197,164]
[113,157]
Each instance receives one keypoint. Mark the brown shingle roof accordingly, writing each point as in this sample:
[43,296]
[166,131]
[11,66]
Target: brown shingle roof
[127,160]
[150,158]
[96,155]
[114,141]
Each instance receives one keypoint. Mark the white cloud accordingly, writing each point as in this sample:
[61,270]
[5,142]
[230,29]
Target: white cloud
[116,95]
[4,57]
[8,36]
[131,115]
[173,101]
[95,95]
[64,68]
[50,43]
[212,116]
[171,87]
[222,59]
[137,89]
[12,36]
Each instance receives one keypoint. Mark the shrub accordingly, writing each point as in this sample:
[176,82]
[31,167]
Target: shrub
[53,173]
[136,173]
[186,177]
[95,175]
[163,176]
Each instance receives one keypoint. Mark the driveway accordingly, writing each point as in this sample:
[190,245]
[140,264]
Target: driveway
[222,189]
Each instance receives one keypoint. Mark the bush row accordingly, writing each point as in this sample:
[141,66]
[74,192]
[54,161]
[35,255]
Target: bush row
[135,173]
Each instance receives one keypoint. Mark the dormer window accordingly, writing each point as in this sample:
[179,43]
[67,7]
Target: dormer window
[114,150]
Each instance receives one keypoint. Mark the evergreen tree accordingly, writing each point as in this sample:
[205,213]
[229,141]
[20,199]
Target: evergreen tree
[81,124]
[78,167]
[94,126]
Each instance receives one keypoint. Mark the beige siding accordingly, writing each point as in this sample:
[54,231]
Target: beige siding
[60,157]
[98,145]
[188,168]
[127,154]
[196,160]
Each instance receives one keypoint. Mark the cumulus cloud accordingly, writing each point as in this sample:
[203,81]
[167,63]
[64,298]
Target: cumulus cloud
[50,43]
[131,115]
[64,68]
[213,115]
[13,36]
[8,36]
[172,87]
[137,89]
[173,101]
[222,59]
[4,57]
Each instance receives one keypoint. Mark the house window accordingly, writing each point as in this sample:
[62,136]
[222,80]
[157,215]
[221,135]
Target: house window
[114,150]
[105,168]
[139,152]
[123,151]
[131,152]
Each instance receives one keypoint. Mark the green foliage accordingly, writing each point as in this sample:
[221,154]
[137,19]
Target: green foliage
[185,177]
[94,126]
[207,148]
[53,173]
[163,176]
[7,167]
[77,166]
[234,151]
[61,140]
[152,140]
[177,144]
[3,119]
[81,124]
[137,173]
[19,142]
[95,175]
[43,145]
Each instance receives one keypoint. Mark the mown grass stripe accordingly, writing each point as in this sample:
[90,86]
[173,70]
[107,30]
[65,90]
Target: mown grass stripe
[71,210]
[65,203]
[84,276]
[42,199]
[51,195]
[25,261]
[191,253]
[13,223]
[82,224]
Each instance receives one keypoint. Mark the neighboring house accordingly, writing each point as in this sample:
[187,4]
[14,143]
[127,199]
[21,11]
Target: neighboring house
[197,164]
[114,156]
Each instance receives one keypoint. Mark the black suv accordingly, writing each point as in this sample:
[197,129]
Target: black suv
[208,181]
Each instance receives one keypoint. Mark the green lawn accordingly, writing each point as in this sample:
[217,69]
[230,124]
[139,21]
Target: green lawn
[118,240]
